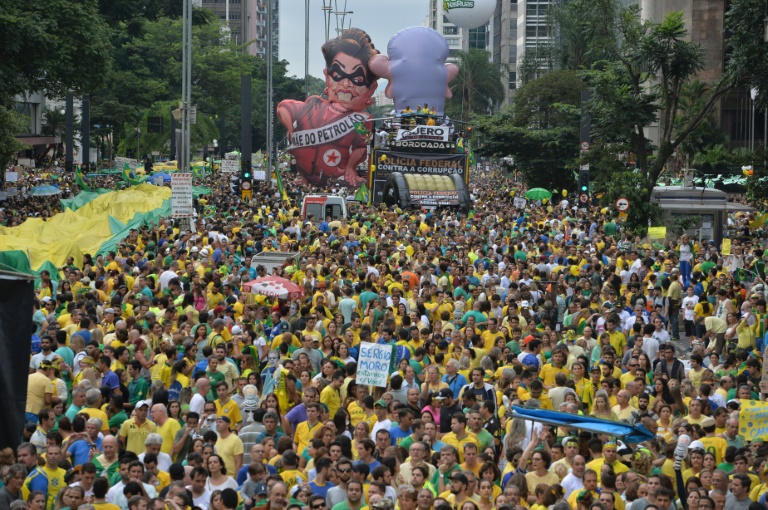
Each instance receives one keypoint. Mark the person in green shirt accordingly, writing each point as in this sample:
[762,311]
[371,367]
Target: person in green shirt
[212,373]
[354,500]
[138,388]
[118,414]
[441,480]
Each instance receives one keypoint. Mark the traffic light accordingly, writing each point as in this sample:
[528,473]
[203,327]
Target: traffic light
[246,172]
[583,180]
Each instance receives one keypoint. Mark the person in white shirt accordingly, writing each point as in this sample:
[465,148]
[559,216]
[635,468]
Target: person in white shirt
[201,497]
[650,344]
[659,333]
[202,387]
[689,302]
[573,481]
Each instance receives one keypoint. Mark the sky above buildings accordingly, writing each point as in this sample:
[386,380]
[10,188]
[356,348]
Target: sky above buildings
[380,18]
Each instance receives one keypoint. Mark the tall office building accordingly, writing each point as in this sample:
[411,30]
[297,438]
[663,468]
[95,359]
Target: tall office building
[248,22]
[705,21]
[535,35]
[503,44]
[437,20]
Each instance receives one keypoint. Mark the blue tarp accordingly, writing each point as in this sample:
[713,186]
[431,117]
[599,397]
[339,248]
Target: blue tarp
[629,433]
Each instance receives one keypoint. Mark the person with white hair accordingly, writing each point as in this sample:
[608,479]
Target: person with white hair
[153,443]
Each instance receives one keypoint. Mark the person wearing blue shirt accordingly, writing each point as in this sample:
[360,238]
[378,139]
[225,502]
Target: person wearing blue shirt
[320,484]
[403,429]
[453,379]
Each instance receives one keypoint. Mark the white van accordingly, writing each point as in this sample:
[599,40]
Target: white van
[324,207]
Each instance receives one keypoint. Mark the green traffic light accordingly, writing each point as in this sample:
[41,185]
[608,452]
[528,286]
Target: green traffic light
[583,188]
[247,175]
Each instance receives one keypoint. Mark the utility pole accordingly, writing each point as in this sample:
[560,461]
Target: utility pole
[270,107]
[186,85]
[306,49]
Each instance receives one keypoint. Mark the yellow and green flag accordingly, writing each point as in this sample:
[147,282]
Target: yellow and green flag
[129,176]
[362,194]
[280,187]
[80,180]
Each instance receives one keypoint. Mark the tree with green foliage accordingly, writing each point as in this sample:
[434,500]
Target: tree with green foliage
[10,124]
[56,47]
[646,82]
[203,131]
[148,72]
[540,130]
[477,89]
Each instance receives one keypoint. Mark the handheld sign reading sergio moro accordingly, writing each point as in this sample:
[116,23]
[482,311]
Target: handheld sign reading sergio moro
[373,364]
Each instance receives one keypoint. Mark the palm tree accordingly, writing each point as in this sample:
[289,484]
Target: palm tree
[478,87]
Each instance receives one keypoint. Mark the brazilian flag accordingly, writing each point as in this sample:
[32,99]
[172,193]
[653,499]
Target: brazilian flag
[460,145]
[361,129]
[129,176]
[79,179]
[209,211]
[362,194]
[280,187]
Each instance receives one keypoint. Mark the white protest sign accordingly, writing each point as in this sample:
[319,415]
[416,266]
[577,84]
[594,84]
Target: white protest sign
[181,195]
[260,175]
[373,364]
[230,166]
[11,176]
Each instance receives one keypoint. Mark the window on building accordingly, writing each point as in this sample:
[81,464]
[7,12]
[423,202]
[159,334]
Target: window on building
[450,30]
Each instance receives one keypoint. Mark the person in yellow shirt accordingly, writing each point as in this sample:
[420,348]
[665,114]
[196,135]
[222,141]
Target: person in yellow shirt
[305,430]
[49,478]
[167,427]
[459,437]
[557,366]
[537,392]
[609,457]
[330,394]
[713,444]
[135,430]
[225,406]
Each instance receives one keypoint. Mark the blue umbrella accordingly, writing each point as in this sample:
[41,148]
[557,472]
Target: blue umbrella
[45,190]
[166,177]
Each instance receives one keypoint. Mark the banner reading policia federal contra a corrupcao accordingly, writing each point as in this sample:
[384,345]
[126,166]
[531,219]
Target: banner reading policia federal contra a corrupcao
[753,419]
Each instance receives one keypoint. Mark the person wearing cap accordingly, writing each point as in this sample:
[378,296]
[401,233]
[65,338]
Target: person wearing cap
[134,431]
[229,446]
[40,390]
[216,336]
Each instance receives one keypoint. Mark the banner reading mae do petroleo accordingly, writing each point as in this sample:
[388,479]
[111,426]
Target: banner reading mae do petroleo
[373,364]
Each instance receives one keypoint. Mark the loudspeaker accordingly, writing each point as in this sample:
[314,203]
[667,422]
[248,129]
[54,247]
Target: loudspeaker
[16,295]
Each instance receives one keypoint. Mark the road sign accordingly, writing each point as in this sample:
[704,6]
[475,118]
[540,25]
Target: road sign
[246,185]
[584,198]
[622,204]
[585,145]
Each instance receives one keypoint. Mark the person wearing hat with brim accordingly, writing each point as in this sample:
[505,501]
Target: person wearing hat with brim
[135,430]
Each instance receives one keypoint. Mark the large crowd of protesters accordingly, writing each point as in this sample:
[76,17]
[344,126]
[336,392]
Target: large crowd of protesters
[156,382]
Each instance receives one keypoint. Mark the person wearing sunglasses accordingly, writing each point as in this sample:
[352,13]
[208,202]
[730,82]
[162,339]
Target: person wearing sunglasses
[317,502]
